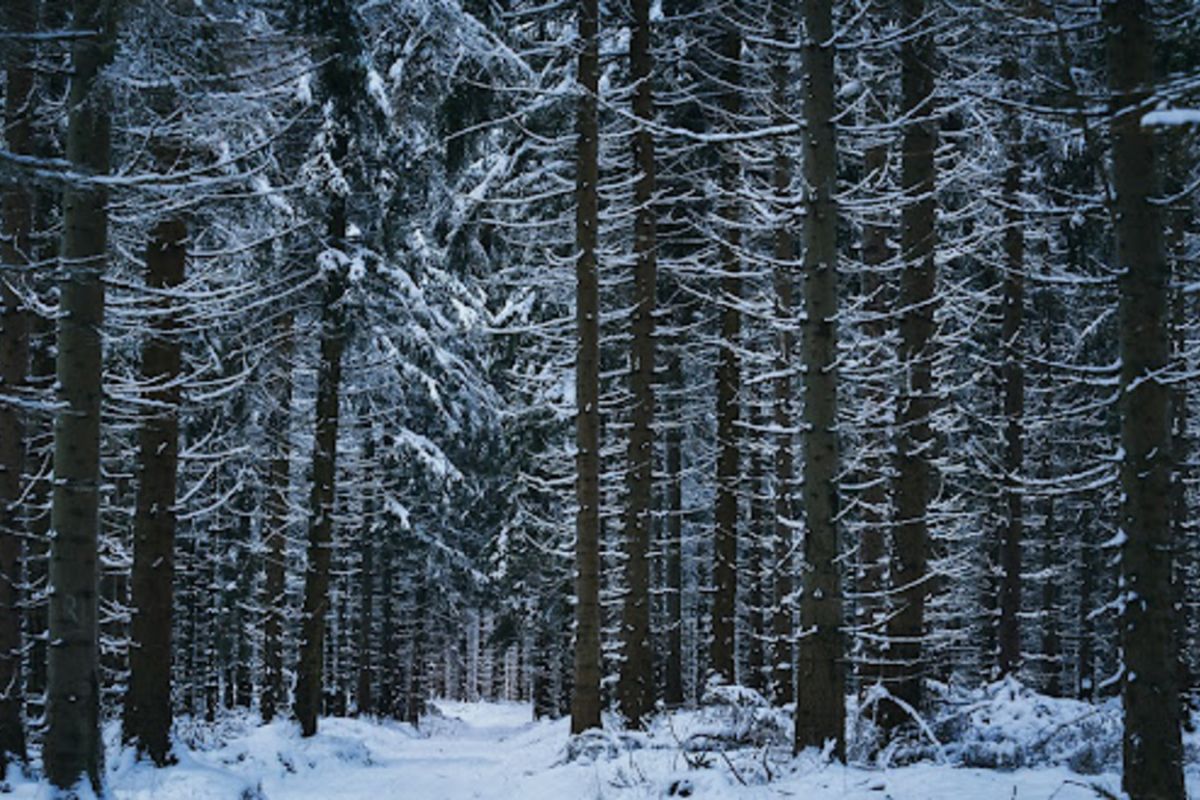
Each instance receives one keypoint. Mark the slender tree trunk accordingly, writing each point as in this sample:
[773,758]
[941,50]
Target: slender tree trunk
[755,553]
[414,705]
[1087,625]
[1153,752]
[37,551]
[275,524]
[821,702]
[783,676]
[1181,522]
[876,500]
[73,749]
[54,15]
[242,619]
[366,620]
[635,689]
[309,678]
[1013,377]
[673,694]
[147,720]
[15,258]
[585,703]
[387,629]
[915,439]
[1051,637]
[729,375]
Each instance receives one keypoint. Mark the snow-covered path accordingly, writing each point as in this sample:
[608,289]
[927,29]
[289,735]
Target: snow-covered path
[472,751]
[491,751]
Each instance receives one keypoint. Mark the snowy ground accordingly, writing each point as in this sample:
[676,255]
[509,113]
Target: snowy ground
[492,751]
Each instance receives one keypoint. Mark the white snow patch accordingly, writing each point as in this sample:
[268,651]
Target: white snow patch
[1170,117]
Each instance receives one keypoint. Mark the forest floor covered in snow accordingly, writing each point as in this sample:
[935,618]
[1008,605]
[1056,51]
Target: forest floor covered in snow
[1043,749]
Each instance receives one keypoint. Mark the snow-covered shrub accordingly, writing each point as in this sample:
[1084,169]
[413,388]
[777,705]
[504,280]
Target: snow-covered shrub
[1007,725]
[732,716]
[597,745]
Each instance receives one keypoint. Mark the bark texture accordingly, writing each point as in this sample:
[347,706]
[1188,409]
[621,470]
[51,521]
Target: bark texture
[15,258]
[783,676]
[73,749]
[585,702]
[635,689]
[275,524]
[310,669]
[366,619]
[729,373]
[821,701]
[673,678]
[1013,390]
[914,436]
[1153,752]
[873,539]
[147,720]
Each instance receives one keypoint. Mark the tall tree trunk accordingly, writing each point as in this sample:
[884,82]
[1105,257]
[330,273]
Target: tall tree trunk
[821,702]
[1051,638]
[635,689]
[729,375]
[915,439]
[15,258]
[1013,378]
[275,524]
[755,552]
[673,691]
[1181,522]
[1086,689]
[366,619]
[309,677]
[414,704]
[1153,753]
[585,703]
[37,552]
[388,685]
[147,720]
[48,144]
[73,749]
[876,499]
[783,676]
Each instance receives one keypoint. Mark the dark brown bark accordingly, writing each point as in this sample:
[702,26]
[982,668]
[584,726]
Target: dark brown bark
[1013,388]
[757,542]
[147,717]
[1181,522]
[310,669]
[821,699]
[871,614]
[729,374]
[585,703]
[275,523]
[388,685]
[414,704]
[366,620]
[783,676]
[54,14]
[673,691]
[15,258]
[1051,636]
[635,689]
[73,750]
[1153,753]
[1088,567]
[37,553]
[914,438]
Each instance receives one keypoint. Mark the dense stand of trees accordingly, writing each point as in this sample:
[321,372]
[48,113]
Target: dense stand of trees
[351,351]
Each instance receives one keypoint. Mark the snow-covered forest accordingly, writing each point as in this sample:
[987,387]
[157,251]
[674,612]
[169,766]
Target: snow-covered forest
[600,398]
